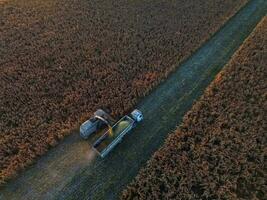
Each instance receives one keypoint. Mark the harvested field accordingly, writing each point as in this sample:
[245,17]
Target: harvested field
[61,60]
[219,151]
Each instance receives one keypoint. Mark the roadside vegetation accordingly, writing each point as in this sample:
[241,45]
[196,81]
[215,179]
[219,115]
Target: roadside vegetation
[219,151]
[61,60]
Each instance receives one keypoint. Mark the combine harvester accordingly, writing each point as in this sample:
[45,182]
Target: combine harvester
[116,130]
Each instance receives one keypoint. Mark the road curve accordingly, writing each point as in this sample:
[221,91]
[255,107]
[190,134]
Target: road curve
[73,171]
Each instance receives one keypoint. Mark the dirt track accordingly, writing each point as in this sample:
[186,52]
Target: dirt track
[219,149]
[71,169]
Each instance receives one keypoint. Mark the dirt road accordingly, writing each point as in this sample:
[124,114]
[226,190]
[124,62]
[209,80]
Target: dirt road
[72,170]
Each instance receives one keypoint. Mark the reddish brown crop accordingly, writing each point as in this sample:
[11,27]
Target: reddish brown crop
[62,59]
[219,151]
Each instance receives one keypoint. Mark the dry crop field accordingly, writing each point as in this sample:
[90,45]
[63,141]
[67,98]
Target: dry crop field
[62,59]
[219,151]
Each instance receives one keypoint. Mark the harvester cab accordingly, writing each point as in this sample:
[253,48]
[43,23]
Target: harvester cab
[99,119]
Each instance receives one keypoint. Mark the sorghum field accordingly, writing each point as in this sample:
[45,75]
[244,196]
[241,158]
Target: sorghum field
[61,60]
[219,151]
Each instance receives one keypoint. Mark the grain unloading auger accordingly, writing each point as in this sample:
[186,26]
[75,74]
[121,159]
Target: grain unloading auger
[116,130]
